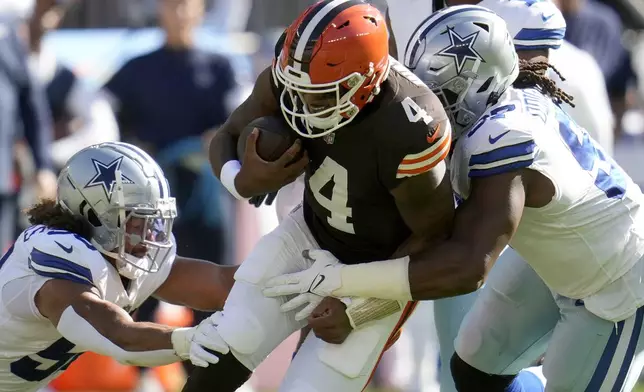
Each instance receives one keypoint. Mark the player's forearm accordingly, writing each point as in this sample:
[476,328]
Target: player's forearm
[141,344]
[197,284]
[444,271]
[118,327]
[143,336]
[447,270]
[223,148]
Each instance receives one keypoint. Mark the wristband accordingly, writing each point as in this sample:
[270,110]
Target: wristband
[361,311]
[387,279]
[227,177]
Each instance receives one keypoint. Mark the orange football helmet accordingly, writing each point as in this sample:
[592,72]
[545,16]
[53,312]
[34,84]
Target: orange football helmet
[334,58]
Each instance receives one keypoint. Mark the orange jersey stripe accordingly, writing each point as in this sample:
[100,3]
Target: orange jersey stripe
[430,161]
[446,139]
[425,168]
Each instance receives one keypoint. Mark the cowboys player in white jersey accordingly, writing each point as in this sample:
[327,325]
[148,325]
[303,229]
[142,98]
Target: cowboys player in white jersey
[93,255]
[530,177]
[537,28]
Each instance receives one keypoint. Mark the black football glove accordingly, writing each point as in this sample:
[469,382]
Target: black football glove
[268,199]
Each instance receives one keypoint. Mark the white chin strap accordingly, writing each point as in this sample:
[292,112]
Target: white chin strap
[325,123]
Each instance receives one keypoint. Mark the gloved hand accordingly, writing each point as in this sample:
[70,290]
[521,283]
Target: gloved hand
[199,344]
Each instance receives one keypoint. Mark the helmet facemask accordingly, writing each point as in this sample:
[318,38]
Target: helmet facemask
[452,95]
[299,92]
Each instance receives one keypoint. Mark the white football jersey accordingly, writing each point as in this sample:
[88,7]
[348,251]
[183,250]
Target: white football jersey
[592,232]
[32,351]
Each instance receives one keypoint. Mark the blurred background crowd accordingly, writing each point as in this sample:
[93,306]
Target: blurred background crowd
[163,74]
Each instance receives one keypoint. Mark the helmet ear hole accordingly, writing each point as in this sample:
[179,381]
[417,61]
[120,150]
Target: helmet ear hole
[483,26]
[485,85]
[93,218]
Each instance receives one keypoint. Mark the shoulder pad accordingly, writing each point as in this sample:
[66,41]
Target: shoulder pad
[417,134]
[533,24]
[63,255]
[499,144]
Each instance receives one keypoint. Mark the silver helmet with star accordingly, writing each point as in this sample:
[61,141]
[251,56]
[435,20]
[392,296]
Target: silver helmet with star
[466,56]
[122,192]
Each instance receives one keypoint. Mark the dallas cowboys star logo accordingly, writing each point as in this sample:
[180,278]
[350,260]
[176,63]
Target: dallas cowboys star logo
[106,176]
[460,49]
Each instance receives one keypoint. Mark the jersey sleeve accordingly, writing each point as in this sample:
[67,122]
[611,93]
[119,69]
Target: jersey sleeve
[498,147]
[62,255]
[418,139]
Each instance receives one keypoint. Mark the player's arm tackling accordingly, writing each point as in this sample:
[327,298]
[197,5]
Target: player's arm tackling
[197,284]
[91,323]
[483,226]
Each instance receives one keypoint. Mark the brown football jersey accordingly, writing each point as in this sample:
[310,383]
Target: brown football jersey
[348,205]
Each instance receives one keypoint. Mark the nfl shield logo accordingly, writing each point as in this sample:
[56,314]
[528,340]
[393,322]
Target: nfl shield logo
[330,138]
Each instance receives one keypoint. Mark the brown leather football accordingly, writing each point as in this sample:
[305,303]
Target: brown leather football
[274,139]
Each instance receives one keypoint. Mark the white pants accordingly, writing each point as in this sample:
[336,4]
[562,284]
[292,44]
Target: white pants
[253,325]
[516,318]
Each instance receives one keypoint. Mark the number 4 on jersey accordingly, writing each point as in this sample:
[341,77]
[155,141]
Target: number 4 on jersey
[337,205]
[414,112]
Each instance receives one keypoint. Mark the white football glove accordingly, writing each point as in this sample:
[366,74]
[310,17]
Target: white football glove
[309,300]
[313,284]
[193,343]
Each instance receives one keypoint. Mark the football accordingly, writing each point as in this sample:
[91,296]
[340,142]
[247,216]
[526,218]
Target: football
[275,137]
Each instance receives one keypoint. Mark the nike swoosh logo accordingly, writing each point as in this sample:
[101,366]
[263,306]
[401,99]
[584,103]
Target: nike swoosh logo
[547,18]
[322,277]
[433,134]
[69,249]
[493,140]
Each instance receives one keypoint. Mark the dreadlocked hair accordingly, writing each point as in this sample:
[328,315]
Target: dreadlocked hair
[532,74]
[51,214]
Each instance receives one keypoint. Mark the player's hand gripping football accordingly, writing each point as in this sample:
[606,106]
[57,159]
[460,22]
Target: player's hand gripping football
[260,177]
[199,344]
[312,284]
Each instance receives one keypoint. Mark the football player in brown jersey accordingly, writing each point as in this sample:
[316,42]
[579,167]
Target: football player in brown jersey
[375,181]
